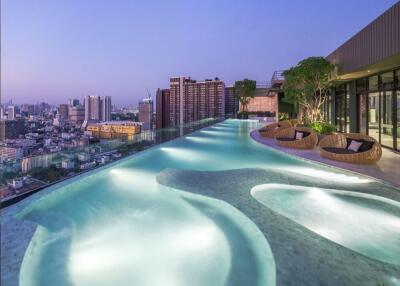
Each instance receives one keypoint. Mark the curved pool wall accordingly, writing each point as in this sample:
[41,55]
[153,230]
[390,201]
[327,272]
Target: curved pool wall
[113,203]
[365,223]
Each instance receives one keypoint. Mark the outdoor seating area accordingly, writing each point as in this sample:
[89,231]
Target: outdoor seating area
[271,129]
[353,148]
[297,137]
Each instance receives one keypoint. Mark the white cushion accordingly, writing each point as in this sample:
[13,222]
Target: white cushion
[354,145]
[299,135]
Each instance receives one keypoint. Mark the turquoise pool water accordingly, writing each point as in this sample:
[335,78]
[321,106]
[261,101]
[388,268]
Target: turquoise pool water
[365,223]
[118,226]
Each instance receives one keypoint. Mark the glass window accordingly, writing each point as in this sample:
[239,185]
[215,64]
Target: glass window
[398,80]
[361,85]
[386,119]
[387,80]
[341,109]
[373,83]
[362,109]
[398,119]
[373,115]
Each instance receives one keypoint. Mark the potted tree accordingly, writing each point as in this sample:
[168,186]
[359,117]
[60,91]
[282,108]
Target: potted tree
[244,92]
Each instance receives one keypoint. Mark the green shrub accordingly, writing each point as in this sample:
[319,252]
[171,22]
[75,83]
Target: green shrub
[322,127]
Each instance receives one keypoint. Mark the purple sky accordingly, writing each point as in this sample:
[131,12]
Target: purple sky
[55,50]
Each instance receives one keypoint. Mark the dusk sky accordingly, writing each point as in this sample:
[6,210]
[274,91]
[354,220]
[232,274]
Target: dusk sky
[53,50]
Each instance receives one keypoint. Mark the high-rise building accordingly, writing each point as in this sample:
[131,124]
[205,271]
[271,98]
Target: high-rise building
[191,100]
[146,113]
[63,111]
[162,108]
[97,108]
[76,114]
[92,107]
[11,112]
[105,108]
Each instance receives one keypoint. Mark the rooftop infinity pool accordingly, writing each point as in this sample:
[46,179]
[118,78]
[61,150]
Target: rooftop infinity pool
[118,226]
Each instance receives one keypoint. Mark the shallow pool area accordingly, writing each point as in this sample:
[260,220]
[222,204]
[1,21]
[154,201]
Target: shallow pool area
[123,224]
[364,223]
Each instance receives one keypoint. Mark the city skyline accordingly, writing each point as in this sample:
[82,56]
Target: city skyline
[147,43]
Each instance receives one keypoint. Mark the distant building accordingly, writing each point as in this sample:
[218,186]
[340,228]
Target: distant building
[2,130]
[63,111]
[264,103]
[14,128]
[162,108]
[10,154]
[114,129]
[28,109]
[73,102]
[11,112]
[67,164]
[146,113]
[76,114]
[92,107]
[231,102]
[97,108]
[190,100]
[105,108]
[42,161]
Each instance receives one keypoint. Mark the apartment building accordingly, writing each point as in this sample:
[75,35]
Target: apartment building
[146,113]
[190,100]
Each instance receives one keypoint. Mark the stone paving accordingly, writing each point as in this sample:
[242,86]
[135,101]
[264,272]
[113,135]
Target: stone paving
[302,257]
[387,169]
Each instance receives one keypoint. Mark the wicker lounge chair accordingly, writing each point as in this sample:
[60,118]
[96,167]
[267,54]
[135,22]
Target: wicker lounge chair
[295,122]
[271,129]
[286,138]
[334,147]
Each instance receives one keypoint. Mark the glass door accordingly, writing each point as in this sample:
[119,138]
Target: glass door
[387,127]
[373,115]
[362,113]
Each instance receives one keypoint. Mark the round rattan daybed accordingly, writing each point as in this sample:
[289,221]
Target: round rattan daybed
[295,122]
[334,147]
[287,138]
[271,129]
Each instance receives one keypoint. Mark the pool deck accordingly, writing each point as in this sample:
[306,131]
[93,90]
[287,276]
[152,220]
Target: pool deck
[387,169]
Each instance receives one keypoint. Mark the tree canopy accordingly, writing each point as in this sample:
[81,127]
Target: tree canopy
[307,84]
[244,91]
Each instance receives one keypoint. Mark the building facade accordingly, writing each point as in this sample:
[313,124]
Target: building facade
[11,112]
[14,128]
[146,113]
[231,102]
[162,108]
[114,129]
[63,111]
[190,100]
[264,103]
[366,97]
[97,108]
[105,108]
[76,114]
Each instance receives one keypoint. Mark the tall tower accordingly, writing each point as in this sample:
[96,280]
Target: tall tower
[105,108]
[92,107]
